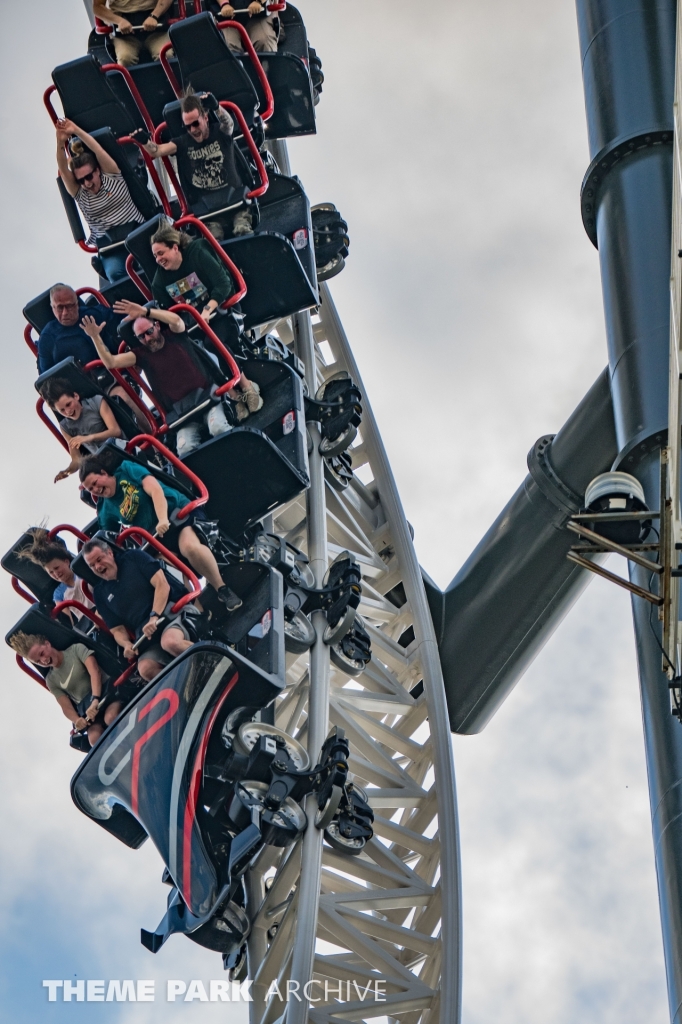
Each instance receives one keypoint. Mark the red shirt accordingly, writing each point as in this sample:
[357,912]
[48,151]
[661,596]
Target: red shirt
[172,372]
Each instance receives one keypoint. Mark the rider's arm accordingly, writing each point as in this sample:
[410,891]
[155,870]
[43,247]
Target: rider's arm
[161,591]
[67,707]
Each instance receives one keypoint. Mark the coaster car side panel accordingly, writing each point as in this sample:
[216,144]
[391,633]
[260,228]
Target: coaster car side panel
[162,737]
[292,91]
[276,281]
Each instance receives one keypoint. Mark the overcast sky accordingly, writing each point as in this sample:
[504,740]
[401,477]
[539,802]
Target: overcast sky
[452,138]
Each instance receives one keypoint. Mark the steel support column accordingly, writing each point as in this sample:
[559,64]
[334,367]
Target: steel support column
[628,51]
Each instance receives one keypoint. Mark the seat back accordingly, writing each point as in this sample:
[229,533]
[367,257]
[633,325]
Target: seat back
[37,620]
[84,386]
[152,84]
[89,99]
[206,63]
[27,572]
[252,470]
[292,92]
[294,36]
[138,243]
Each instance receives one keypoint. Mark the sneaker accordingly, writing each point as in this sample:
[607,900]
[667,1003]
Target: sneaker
[241,407]
[253,399]
[229,598]
[241,224]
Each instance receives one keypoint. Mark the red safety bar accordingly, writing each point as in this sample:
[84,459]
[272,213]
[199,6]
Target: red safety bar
[85,247]
[30,671]
[18,589]
[260,73]
[29,340]
[253,57]
[145,439]
[167,556]
[220,252]
[253,149]
[136,279]
[125,675]
[183,307]
[52,427]
[54,116]
[88,290]
[67,528]
[88,612]
[118,377]
[135,92]
[153,173]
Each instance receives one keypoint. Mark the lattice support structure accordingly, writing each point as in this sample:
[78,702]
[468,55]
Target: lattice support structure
[386,921]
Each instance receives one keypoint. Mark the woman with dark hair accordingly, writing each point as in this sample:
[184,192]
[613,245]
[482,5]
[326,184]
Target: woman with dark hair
[96,183]
[52,555]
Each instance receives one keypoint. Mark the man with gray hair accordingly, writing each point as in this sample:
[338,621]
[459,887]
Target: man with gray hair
[63,337]
[135,595]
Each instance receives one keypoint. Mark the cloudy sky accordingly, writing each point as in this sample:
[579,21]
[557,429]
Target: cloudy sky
[452,137]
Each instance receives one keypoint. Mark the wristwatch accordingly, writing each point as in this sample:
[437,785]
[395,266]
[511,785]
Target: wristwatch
[154,615]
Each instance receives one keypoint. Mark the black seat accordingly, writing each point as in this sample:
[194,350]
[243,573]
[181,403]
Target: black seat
[89,99]
[32,576]
[152,84]
[36,620]
[138,243]
[251,470]
[83,385]
[206,62]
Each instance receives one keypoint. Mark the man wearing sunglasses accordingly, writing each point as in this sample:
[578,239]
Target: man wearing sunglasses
[175,376]
[206,162]
[96,183]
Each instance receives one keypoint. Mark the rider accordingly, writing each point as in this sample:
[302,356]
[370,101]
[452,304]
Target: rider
[132,595]
[131,495]
[52,555]
[74,679]
[262,27]
[138,26]
[85,423]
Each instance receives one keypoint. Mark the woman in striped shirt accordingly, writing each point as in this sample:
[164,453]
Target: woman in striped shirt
[96,183]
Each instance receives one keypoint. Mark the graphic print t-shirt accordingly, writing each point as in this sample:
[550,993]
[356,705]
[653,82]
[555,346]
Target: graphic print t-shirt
[131,504]
[206,166]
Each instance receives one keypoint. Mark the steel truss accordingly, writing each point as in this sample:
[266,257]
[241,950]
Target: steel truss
[392,914]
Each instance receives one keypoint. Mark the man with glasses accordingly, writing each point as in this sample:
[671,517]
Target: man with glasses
[96,183]
[63,337]
[175,376]
[206,162]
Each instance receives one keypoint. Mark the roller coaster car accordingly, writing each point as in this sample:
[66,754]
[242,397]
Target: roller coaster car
[251,470]
[115,451]
[84,386]
[145,777]
[38,311]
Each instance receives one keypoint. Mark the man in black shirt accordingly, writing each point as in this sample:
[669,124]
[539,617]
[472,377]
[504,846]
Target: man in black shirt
[132,594]
[206,162]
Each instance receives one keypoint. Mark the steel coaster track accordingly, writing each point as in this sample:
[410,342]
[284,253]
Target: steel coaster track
[393,913]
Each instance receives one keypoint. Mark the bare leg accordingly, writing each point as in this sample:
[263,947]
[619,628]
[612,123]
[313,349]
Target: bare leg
[173,641]
[112,712]
[199,557]
[148,668]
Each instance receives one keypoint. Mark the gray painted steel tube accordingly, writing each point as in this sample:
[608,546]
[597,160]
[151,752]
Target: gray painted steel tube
[517,585]
[628,49]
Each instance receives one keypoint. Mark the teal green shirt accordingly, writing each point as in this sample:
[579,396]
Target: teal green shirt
[131,505]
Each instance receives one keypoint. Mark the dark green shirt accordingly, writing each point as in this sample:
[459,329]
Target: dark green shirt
[201,276]
[131,504]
